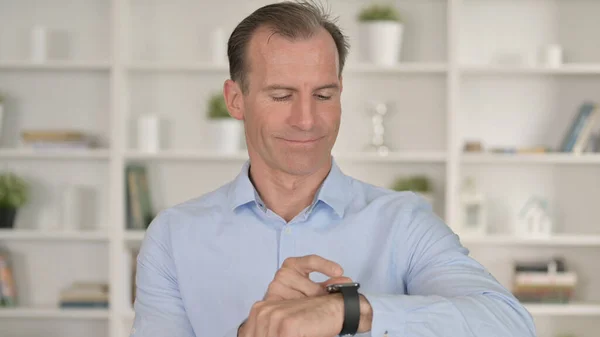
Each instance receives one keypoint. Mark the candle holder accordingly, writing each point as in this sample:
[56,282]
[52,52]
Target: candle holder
[378,113]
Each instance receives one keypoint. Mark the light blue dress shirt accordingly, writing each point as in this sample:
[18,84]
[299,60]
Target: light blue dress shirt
[204,262]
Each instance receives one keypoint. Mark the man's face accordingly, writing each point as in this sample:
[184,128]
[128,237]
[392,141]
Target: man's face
[292,108]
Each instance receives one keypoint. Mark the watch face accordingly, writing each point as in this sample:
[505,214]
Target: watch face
[333,288]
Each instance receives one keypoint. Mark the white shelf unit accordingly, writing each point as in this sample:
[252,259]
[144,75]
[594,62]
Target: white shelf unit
[52,313]
[133,57]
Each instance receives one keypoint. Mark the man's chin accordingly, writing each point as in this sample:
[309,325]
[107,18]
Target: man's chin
[304,163]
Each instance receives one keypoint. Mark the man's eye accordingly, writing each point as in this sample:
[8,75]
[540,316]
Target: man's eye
[323,97]
[281,98]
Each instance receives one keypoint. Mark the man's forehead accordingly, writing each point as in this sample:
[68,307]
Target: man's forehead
[268,47]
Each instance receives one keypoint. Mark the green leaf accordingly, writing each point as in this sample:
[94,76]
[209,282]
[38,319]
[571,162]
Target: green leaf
[217,109]
[379,12]
[417,183]
[14,191]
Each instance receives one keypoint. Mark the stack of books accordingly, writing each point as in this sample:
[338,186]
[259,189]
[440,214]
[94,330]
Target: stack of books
[544,282]
[85,295]
[55,139]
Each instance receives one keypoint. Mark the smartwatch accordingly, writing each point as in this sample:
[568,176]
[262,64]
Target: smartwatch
[351,298]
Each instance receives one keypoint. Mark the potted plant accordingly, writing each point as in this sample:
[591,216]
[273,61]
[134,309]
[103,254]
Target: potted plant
[418,183]
[14,193]
[380,33]
[228,130]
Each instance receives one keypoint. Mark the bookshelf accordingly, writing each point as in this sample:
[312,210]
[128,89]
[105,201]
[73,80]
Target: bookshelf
[133,57]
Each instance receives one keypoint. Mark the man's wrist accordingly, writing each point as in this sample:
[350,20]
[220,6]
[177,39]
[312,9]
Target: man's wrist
[366,315]
[366,312]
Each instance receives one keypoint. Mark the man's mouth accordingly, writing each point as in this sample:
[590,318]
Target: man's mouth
[301,141]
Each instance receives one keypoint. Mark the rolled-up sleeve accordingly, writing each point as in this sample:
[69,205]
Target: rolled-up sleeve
[448,293]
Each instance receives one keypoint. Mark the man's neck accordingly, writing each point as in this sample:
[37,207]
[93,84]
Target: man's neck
[283,193]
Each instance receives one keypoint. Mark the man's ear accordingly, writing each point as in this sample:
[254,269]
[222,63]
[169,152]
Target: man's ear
[234,99]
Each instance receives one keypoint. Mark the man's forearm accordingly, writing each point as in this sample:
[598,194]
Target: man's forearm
[489,314]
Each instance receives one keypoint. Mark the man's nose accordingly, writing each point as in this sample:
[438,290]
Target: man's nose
[303,113]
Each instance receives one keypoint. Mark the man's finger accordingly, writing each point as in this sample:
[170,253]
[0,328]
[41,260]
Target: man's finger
[335,280]
[291,278]
[279,291]
[311,263]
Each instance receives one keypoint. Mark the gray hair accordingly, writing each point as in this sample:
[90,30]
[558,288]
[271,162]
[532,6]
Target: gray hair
[289,19]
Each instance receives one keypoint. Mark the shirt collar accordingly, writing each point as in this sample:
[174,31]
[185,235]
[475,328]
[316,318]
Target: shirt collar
[334,191]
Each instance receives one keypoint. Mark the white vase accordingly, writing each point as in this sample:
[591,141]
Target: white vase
[39,44]
[381,42]
[148,131]
[229,133]
[71,196]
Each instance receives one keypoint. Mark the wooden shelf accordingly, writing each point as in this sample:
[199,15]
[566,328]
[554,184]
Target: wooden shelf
[54,313]
[55,66]
[541,158]
[186,155]
[573,309]
[134,235]
[555,240]
[350,68]
[567,69]
[75,154]
[416,67]
[35,235]
[416,156]
[393,157]
[177,67]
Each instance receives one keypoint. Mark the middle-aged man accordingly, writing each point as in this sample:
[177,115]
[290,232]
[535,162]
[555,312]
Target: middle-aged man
[257,256]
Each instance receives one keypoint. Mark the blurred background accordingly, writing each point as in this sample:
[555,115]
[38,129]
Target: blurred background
[111,110]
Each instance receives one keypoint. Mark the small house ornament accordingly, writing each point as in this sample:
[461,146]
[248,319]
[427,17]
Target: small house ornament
[534,220]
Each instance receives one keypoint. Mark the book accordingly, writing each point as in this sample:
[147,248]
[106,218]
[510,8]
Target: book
[543,279]
[85,294]
[98,305]
[140,212]
[556,264]
[8,291]
[586,132]
[51,135]
[574,131]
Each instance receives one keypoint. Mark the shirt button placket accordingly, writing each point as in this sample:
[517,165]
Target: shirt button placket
[286,243]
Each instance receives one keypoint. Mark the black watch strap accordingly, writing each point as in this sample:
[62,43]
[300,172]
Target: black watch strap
[351,310]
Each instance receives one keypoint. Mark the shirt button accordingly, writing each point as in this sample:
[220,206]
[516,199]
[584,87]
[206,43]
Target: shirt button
[288,230]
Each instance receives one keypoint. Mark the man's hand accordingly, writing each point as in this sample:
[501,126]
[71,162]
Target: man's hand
[320,316]
[292,280]
[308,316]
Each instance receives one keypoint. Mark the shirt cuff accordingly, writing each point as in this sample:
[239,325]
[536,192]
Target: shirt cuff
[388,318]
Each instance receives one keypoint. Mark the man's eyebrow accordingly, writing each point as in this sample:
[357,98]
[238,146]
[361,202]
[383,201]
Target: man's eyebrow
[328,86]
[279,87]
[285,87]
